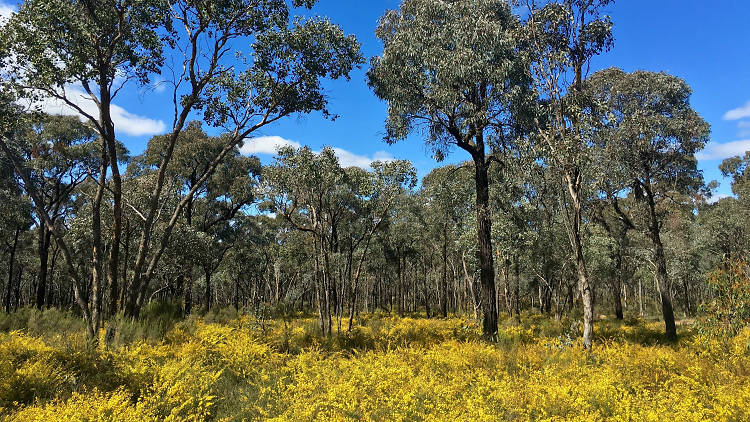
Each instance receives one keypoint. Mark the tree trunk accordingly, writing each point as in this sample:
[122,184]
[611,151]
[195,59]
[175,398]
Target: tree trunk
[484,232]
[11,265]
[517,294]
[444,287]
[188,295]
[662,278]
[574,227]
[43,250]
[617,284]
[207,271]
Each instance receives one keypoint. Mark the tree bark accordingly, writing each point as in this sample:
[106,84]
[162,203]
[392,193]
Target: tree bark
[11,265]
[574,226]
[662,277]
[484,232]
[43,251]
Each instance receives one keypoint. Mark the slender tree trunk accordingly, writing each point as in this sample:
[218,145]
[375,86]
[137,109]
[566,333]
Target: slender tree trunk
[517,294]
[355,287]
[207,271]
[11,265]
[470,285]
[444,287]
[574,227]
[617,285]
[43,250]
[662,278]
[115,288]
[97,253]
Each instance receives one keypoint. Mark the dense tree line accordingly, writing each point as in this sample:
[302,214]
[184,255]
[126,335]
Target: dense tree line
[581,194]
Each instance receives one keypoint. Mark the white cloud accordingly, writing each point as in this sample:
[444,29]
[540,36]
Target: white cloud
[738,113]
[715,151]
[349,159]
[271,145]
[717,197]
[266,145]
[125,121]
[5,11]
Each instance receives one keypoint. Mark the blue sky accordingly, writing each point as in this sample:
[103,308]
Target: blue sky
[707,43]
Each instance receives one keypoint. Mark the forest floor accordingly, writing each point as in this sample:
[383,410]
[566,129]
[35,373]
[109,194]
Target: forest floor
[229,367]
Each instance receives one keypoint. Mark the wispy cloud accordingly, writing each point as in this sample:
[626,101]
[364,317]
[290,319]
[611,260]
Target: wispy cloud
[266,145]
[714,151]
[349,159]
[738,113]
[125,121]
[271,145]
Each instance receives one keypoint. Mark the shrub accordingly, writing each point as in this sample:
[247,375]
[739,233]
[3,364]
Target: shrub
[729,310]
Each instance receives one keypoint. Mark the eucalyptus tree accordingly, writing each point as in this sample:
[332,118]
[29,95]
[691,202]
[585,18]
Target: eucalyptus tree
[301,187]
[609,214]
[652,134]
[81,54]
[211,203]
[61,153]
[16,217]
[279,74]
[562,36]
[448,194]
[452,70]
[377,192]
[17,144]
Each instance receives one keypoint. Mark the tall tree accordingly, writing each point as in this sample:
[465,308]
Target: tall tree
[82,53]
[562,37]
[278,75]
[452,69]
[652,134]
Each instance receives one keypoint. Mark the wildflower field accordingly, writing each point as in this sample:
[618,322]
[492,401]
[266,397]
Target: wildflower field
[232,367]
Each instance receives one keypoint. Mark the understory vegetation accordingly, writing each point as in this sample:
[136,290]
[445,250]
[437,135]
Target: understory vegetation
[228,366]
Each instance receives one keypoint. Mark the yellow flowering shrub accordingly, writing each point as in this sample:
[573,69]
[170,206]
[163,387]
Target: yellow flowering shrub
[386,369]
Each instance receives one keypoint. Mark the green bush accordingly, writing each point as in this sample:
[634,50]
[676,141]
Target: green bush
[729,310]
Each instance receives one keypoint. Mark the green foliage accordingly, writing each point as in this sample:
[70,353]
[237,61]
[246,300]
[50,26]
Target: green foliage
[729,310]
[451,69]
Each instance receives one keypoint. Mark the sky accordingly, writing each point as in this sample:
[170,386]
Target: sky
[707,43]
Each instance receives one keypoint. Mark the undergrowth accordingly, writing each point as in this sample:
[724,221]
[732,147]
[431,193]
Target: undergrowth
[232,367]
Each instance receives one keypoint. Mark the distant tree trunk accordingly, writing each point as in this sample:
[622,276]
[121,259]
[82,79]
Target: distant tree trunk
[11,265]
[237,294]
[470,285]
[207,272]
[426,288]
[444,287]
[355,283]
[19,278]
[617,285]
[506,287]
[662,278]
[43,250]
[517,295]
[640,296]
[188,295]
